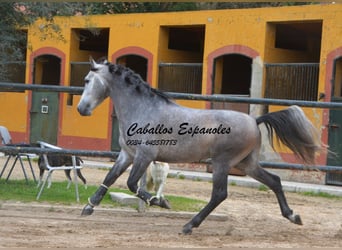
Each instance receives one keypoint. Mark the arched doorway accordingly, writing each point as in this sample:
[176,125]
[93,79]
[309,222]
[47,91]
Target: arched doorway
[136,63]
[232,76]
[45,104]
[139,65]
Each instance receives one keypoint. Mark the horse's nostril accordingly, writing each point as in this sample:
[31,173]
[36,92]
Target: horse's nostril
[79,109]
[84,111]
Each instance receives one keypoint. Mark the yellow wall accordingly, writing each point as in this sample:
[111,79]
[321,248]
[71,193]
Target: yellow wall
[86,126]
[13,110]
[247,27]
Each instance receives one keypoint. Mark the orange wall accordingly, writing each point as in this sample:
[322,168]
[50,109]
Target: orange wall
[13,114]
[247,27]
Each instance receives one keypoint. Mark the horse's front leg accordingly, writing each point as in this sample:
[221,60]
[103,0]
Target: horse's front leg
[219,194]
[119,167]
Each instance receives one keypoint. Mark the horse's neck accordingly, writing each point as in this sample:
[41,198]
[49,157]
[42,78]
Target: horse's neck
[130,108]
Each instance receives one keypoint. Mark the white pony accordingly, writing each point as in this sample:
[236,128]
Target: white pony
[156,176]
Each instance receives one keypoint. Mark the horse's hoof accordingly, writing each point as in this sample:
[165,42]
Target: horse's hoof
[165,204]
[295,219]
[187,229]
[298,220]
[87,210]
[154,201]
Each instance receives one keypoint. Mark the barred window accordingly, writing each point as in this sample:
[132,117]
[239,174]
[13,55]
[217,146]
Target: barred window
[180,77]
[294,81]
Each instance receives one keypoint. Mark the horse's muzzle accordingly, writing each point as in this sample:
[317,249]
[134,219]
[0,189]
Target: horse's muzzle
[83,111]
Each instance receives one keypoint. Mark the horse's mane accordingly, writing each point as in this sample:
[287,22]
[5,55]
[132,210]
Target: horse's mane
[135,81]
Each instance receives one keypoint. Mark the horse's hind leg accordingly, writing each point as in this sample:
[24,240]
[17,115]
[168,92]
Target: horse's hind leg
[219,194]
[274,183]
[119,167]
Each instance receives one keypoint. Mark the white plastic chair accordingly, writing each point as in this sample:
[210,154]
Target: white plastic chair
[6,140]
[50,169]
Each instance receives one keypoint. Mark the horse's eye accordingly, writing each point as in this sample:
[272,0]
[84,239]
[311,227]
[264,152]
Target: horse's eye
[86,81]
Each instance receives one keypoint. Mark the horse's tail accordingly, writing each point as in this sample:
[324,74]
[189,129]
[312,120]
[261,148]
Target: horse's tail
[294,130]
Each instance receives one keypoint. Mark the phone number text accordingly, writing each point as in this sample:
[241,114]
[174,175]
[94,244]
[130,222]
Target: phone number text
[151,142]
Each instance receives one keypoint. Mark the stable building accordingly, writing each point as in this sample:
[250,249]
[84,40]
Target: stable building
[280,52]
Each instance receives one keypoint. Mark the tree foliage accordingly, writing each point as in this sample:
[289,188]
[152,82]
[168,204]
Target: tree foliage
[14,16]
[20,14]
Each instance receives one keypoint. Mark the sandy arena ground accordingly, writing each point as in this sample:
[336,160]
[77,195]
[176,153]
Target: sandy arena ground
[248,218]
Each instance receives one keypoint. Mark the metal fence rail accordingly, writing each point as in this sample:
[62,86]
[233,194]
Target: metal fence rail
[181,96]
[10,87]
[114,155]
[38,150]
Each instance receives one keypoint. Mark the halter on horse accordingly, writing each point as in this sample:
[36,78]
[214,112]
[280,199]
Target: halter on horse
[154,128]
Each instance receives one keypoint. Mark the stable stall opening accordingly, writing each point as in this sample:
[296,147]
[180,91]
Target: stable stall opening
[180,58]
[85,43]
[136,63]
[44,110]
[299,36]
[292,56]
[47,70]
[187,38]
[233,74]
[95,39]
[139,65]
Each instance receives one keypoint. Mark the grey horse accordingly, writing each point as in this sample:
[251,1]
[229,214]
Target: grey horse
[154,128]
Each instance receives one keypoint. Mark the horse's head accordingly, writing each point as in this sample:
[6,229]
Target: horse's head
[95,87]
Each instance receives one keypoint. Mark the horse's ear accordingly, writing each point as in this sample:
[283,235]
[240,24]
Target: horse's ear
[92,63]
